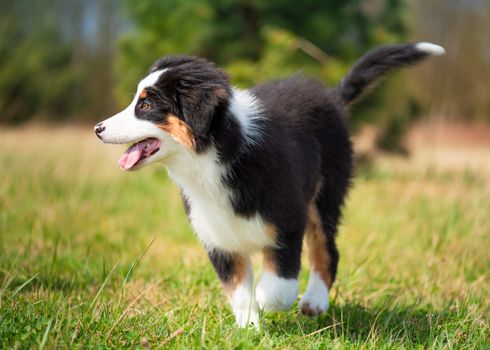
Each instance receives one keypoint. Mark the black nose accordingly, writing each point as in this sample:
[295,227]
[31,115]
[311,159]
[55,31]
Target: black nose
[98,129]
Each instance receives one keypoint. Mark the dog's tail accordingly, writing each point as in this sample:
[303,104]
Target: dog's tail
[379,62]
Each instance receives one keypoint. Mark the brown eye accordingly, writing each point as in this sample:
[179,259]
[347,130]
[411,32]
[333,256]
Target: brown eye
[144,106]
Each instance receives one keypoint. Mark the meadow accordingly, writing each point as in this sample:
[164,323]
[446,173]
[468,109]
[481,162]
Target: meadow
[91,257]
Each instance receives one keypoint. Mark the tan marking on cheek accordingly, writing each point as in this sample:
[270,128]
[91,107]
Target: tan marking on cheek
[317,246]
[179,130]
[143,94]
[239,273]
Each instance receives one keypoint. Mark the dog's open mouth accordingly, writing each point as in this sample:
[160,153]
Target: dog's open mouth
[139,151]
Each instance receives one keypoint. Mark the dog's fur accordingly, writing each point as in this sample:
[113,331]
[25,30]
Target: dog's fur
[258,169]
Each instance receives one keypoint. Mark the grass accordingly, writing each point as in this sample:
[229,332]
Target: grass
[91,257]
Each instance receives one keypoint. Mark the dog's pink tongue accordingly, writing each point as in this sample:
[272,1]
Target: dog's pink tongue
[132,155]
[141,149]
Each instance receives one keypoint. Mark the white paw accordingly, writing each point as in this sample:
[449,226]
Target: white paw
[315,300]
[275,293]
[245,318]
[313,305]
[245,306]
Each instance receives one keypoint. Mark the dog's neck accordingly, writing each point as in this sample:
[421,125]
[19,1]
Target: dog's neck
[236,131]
[238,128]
[246,109]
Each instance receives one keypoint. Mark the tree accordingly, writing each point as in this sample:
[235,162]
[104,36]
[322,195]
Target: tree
[35,70]
[55,59]
[257,40]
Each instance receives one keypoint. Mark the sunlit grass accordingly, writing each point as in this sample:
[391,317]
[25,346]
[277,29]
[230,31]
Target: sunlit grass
[93,257]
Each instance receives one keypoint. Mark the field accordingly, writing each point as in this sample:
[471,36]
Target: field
[91,257]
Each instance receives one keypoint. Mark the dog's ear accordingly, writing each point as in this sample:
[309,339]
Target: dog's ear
[199,104]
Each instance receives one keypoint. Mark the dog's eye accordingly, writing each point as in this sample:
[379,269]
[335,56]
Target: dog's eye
[144,106]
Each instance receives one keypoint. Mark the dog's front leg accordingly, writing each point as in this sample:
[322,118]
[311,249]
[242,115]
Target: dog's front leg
[235,272]
[278,286]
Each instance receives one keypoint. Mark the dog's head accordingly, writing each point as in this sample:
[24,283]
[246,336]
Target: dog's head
[172,111]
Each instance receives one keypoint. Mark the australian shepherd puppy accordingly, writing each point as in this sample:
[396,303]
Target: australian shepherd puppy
[259,169]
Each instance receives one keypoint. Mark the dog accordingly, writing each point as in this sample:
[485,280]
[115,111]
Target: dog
[258,169]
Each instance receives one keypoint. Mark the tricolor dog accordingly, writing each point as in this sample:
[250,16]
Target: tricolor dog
[259,170]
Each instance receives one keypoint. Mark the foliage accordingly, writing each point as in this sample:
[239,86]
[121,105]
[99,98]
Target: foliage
[67,59]
[261,39]
[93,258]
[36,74]
[54,59]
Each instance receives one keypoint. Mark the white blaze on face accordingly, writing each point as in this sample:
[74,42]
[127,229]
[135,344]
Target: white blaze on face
[148,81]
[124,127]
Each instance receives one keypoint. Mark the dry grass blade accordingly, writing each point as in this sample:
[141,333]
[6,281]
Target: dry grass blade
[172,336]
[128,309]
[323,329]
[23,285]
[99,292]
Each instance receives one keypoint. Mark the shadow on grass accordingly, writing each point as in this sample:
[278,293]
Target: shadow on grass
[354,323]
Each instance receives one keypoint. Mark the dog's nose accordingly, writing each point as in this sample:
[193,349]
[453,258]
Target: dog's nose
[98,129]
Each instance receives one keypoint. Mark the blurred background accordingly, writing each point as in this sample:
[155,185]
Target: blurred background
[79,61]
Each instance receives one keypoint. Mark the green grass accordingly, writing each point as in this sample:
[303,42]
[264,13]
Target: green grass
[91,257]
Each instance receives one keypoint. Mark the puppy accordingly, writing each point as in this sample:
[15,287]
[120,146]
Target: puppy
[258,169]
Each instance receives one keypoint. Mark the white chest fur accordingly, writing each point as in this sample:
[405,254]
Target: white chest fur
[219,227]
[200,178]
[211,213]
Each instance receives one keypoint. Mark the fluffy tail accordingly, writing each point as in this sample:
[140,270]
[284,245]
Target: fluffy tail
[377,63]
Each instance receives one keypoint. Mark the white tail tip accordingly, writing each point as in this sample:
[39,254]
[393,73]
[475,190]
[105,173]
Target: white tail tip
[430,48]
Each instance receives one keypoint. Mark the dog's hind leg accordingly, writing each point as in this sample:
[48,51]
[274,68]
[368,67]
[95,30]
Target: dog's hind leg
[235,272]
[323,218]
[323,256]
